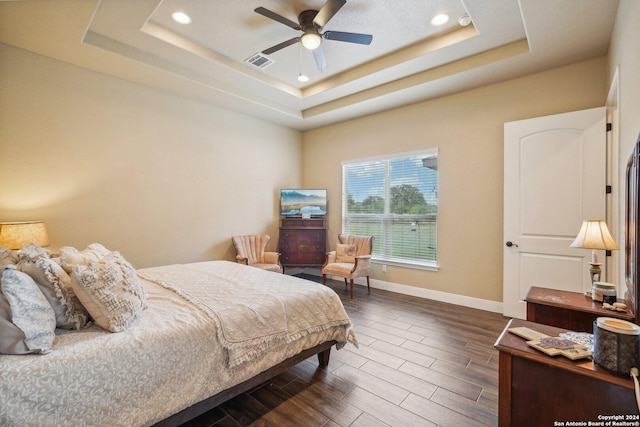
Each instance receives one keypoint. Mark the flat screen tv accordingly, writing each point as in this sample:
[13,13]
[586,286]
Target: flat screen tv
[303,202]
[632,232]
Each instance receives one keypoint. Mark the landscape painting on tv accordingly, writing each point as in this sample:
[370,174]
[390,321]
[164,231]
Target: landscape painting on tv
[303,202]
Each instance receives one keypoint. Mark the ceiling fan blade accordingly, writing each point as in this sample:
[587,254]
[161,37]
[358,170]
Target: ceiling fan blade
[348,37]
[281,19]
[328,10]
[281,46]
[320,58]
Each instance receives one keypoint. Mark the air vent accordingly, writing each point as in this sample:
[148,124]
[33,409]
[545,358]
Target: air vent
[259,60]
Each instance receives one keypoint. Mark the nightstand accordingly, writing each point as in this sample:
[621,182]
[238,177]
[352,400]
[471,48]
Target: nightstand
[569,310]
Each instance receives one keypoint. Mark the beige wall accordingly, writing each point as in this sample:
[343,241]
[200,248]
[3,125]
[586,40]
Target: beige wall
[624,57]
[165,179]
[467,128]
[160,178]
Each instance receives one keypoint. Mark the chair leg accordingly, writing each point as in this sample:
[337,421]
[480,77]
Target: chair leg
[368,287]
[324,276]
[345,282]
[351,291]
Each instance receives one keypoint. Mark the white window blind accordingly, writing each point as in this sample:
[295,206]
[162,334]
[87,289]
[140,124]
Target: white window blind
[396,201]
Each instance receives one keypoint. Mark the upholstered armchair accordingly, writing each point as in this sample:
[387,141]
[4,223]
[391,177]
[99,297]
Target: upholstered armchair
[251,250]
[351,259]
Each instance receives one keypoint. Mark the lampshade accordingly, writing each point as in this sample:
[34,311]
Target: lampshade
[15,235]
[311,40]
[594,234]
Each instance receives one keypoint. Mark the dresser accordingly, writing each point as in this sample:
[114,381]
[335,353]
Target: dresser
[302,242]
[540,390]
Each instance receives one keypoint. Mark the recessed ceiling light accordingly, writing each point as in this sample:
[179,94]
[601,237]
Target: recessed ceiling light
[181,18]
[440,19]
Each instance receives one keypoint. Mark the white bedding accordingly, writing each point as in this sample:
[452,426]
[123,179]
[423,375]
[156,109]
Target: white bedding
[171,357]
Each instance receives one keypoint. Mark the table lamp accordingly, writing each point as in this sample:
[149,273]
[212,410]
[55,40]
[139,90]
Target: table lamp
[594,235]
[15,235]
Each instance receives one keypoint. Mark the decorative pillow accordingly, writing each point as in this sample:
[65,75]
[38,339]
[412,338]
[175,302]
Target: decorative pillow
[27,321]
[70,256]
[346,253]
[110,291]
[7,257]
[55,284]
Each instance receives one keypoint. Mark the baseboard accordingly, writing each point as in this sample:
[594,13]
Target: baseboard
[465,301]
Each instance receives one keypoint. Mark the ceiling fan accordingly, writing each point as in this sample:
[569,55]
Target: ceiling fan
[311,22]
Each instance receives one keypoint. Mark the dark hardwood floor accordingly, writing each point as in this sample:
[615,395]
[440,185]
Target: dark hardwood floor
[420,363]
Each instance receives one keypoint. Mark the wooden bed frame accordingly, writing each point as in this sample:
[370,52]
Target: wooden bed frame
[323,352]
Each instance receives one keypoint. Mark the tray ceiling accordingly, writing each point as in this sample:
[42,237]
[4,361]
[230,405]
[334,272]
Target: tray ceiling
[408,60]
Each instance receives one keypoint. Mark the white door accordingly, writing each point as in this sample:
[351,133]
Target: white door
[554,177]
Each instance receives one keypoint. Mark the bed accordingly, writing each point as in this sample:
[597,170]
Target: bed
[208,332]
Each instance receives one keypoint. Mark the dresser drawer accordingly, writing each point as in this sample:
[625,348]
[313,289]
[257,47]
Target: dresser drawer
[302,258]
[303,243]
[302,247]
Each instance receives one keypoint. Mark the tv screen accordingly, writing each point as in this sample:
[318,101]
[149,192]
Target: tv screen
[303,202]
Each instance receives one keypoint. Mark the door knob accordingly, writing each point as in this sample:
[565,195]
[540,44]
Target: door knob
[510,243]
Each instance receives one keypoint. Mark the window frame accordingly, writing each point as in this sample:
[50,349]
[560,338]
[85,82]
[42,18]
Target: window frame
[387,216]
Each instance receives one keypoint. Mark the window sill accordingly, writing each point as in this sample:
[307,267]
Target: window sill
[407,264]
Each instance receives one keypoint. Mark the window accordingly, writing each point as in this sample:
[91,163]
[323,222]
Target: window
[396,201]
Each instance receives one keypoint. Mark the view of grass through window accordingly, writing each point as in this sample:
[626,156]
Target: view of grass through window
[396,201]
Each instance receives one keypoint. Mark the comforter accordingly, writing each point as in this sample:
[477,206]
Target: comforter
[208,326]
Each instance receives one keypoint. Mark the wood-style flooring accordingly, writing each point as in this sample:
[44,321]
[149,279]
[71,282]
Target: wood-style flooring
[419,363]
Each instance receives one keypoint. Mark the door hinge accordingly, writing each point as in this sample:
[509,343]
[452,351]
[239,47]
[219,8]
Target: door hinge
[609,127]
[608,189]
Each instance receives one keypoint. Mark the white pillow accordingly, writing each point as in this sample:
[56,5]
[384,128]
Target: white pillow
[27,321]
[70,256]
[110,291]
[7,257]
[55,284]
[346,253]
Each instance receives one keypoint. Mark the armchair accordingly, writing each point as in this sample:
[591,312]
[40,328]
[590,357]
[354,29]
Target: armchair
[351,259]
[251,250]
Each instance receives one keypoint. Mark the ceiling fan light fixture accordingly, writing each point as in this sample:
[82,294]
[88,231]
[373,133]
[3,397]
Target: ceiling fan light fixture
[311,22]
[311,39]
